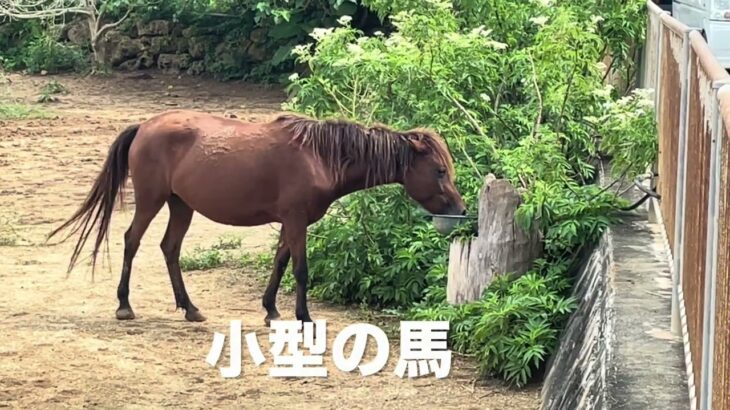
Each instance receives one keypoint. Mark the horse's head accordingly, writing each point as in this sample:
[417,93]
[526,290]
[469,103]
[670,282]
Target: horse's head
[429,179]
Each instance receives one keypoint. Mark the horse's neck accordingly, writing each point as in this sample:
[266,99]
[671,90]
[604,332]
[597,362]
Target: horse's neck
[356,179]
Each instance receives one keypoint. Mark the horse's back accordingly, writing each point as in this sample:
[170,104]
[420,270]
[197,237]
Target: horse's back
[228,170]
[171,136]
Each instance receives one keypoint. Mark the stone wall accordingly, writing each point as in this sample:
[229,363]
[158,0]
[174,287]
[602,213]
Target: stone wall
[172,47]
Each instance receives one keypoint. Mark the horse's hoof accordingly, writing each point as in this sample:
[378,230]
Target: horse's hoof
[194,316]
[125,314]
[314,326]
[304,318]
[270,317]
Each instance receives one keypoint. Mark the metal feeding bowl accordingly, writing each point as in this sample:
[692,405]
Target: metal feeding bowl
[445,224]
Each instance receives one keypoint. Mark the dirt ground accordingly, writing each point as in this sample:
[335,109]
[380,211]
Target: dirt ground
[61,345]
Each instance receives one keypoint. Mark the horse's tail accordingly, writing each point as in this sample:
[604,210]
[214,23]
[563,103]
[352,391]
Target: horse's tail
[99,204]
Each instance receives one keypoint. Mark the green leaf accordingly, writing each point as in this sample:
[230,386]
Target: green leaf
[285,30]
[282,54]
[346,8]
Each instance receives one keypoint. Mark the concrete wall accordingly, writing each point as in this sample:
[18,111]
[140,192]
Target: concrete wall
[617,351]
[576,377]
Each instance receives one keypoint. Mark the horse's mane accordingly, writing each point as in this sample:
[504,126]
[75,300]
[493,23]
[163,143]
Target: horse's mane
[340,143]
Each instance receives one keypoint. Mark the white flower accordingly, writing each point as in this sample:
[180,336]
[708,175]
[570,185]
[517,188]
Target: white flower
[454,37]
[540,21]
[344,20]
[320,33]
[497,45]
[596,19]
[395,40]
[644,95]
[294,77]
[485,97]
[480,31]
[604,92]
[301,49]
[378,33]
[354,49]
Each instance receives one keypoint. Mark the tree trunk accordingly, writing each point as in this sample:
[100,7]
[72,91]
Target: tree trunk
[94,40]
[501,246]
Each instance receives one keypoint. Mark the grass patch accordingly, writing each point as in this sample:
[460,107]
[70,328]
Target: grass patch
[16,111]
[10,110]
[8,235]
[54,87]
[227,242]
[50,90]
[223,254]
[257,262]
[202,259]
[8,240]
[260,264]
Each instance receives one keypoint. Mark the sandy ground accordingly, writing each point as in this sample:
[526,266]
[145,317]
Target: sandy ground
[61,346]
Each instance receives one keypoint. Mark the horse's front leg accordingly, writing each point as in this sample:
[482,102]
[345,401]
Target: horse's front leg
[295,230]
[281,259]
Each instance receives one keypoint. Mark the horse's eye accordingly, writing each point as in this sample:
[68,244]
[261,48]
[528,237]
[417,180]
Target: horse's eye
[442,173]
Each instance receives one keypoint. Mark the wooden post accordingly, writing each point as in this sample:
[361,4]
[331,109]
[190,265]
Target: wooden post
[501,246]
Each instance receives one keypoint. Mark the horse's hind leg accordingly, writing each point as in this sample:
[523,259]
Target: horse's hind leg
[144,213]
[180,217]
[296,239]
[280,261]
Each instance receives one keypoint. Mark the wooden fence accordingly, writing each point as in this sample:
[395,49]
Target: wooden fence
[692,101]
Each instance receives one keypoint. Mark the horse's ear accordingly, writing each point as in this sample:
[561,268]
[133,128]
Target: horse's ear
[416,142]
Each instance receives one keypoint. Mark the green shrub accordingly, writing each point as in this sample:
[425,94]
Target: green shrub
[634,115]
[358,256]
[514,327]
[14,36]
[33,45]
[45,53]
[515,98]
[380,249]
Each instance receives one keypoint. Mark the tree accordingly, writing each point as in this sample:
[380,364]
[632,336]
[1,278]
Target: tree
[94,11]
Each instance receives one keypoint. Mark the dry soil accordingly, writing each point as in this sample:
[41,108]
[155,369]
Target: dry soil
[61,346]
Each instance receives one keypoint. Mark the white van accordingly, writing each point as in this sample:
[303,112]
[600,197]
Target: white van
[713,17]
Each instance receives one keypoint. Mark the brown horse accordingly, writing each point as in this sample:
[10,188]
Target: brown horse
[289,171]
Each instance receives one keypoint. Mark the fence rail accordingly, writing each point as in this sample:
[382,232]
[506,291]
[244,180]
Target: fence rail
[692,101]
[722,284]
